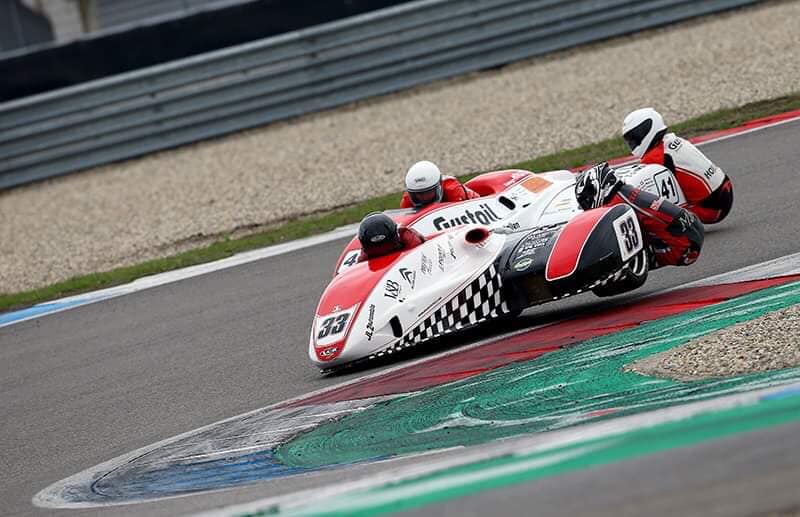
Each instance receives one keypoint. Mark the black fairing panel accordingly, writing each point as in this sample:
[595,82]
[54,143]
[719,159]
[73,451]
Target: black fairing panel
[601,254]
[523,262]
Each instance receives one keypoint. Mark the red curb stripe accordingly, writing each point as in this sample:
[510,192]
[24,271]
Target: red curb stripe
[534,343]
[750,124]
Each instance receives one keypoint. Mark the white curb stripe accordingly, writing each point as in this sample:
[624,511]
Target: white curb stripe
[781,266]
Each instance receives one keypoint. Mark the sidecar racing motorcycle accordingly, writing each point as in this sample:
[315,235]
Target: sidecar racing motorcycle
[524,242]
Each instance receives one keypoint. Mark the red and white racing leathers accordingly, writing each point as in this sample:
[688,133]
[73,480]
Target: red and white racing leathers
[674,235]
[452,190]
[708,191]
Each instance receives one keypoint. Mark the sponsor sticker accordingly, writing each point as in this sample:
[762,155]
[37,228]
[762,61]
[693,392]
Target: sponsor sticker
[560,206]
[518,194]
[328,352]
[647,184]
[370,329]
[440,257]
[486,211]
[685,219]
[536,184]
[523,264]
[409,275]
[426,265]
[484,214]
[450,245]
[533,242]
[392,289]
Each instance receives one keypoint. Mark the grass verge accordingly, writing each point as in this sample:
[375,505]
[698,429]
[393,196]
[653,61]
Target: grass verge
[319,223]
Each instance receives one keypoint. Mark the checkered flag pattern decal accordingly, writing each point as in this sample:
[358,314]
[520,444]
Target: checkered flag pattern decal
[479,301]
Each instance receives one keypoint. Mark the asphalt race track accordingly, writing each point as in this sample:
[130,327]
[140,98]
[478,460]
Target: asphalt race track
[86,385]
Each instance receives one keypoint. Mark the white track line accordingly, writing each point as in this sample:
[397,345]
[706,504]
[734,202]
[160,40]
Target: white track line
[250,256]
[781,266]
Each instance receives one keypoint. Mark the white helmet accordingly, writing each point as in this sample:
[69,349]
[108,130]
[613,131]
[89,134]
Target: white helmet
[424,183]
[640,128]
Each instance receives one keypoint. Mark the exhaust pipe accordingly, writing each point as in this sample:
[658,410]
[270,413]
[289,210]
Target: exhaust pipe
[476,236]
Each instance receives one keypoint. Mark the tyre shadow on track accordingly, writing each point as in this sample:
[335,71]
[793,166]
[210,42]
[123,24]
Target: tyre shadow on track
[533,317]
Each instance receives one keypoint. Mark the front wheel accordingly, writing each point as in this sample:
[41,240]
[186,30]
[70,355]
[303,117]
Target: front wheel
[633,278]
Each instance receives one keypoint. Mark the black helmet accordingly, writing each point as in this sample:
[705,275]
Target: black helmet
[378,235]
[595,186]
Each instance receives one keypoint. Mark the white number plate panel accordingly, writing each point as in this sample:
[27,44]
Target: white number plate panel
[629,235]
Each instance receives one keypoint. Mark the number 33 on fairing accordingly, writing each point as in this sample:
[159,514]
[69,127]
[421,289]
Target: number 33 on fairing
[628,235]
[332,327]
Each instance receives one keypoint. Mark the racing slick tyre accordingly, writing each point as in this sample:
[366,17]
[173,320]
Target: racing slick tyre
[633,278]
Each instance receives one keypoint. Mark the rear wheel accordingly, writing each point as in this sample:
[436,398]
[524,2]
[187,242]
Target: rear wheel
[633,278]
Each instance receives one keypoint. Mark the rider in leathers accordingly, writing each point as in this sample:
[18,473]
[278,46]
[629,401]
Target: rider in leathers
[674,235]
[708,191]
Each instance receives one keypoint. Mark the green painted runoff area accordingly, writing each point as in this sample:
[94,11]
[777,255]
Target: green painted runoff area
[580,383]
[513,469]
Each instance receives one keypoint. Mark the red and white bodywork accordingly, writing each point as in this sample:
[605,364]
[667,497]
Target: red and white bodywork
[373,305]
[476,264]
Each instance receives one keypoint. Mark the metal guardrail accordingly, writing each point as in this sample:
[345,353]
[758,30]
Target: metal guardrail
[321,67]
